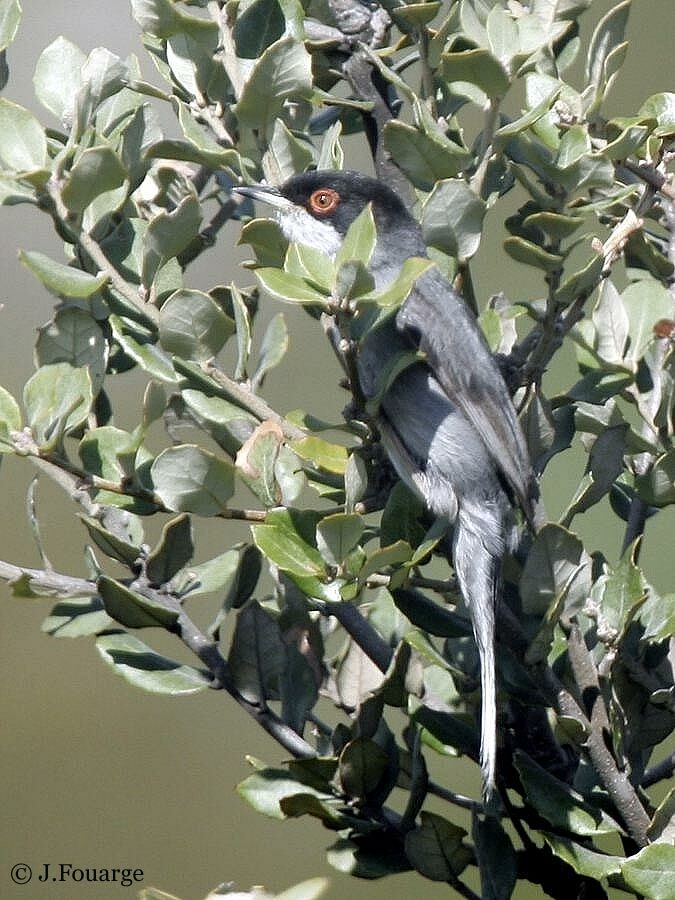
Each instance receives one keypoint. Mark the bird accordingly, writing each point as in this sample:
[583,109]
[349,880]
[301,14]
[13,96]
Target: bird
[446,421]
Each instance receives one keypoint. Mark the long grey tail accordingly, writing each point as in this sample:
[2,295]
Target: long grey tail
[477,551]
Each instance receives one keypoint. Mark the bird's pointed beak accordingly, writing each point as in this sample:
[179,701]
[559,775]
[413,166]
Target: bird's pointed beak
[265,193]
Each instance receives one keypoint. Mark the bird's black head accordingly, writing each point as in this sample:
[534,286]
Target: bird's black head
[317,208]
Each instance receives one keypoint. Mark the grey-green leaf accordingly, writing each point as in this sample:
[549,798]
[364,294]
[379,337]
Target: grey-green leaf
[173,551]
[453,218]
[144,668]
[23,143]
[559,804]
[58,77]
[64,281]
[96,171]
[436,848]
[131,609]
[189,479]
[193,326]
[74,336]
[651,872]
[57,400]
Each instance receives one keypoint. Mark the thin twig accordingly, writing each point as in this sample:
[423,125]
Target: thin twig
[659,772]
[126,290]
[362,632]
[244,398]
[81,478]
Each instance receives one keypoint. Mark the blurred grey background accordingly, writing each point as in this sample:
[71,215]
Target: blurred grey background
[97,773]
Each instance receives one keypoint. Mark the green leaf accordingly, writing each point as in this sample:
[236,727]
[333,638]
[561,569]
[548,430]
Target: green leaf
[311,889]
[272,349]
[631,134]
[97,170]
[193,326]
[212,157]
[10,420]
[662,825]
[395,293]
[283,71]
[10,17]
[337,535]
[559,804]
[662,108]
[232,574]
[189,479]
[173,551]
[362,767]
[57,399]
[415,15]
[496,859]
[23,143]
[267,240]
[605,465]
[74,336]
[311,264]
[368,856]
[645,302]
[75,617]
[257,26]
[424,156]
[257,460]
[527,120]
[134,610]
[359,242]
[532,255]
[265,790]
[556,562]
[281,542]
[290,288]
[110,543]
[109,452]
[162,19]
[611,324]
[64,281]
[257,657]
[584,861]
[657,487]
[617,592]
[286,153]
[144,668]
[651,871]
[429,616]
[436,848]
[554,224]
[574,145]
[452,219]
[151,358]
[168,234]
[329,457]
[477,67]
[242,320]
[58,77]
[581,282]
[608,35]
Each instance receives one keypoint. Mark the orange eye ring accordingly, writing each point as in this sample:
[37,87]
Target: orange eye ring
[324,201]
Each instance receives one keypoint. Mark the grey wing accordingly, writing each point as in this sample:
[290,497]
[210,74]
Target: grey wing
[435,318]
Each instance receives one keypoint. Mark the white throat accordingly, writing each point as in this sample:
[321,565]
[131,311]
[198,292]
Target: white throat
[301,228]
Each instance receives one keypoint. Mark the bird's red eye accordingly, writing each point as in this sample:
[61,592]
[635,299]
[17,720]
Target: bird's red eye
[324,201]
